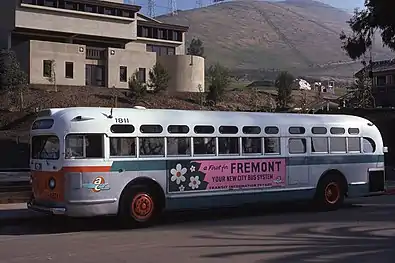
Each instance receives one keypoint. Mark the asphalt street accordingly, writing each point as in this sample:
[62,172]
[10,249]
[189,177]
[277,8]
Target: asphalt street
[362,232]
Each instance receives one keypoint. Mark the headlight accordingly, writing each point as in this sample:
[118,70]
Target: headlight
[52,183]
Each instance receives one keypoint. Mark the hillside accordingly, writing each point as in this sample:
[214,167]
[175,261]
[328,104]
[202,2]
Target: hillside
[299,35]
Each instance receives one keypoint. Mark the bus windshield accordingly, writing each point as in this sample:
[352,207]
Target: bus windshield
[45,147]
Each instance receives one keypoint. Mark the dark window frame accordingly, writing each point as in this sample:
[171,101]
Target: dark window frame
[47,68]
[67,73]
[123,73]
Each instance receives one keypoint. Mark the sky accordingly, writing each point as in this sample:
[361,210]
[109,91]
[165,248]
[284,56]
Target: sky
[162,5]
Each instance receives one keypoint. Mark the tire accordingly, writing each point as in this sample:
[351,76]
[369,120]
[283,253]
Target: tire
[330,193]
[139,207]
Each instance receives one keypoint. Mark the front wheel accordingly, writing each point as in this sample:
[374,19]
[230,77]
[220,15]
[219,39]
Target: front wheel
[139,207]
[330,193]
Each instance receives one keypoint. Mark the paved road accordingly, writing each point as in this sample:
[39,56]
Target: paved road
[362,233]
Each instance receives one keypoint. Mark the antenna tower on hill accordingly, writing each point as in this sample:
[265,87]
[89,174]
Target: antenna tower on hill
[172,5]
[151,8]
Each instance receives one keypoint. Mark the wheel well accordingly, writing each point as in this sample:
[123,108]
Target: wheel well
[334,172]
[148,182]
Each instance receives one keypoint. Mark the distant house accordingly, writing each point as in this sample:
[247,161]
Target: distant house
[383,73]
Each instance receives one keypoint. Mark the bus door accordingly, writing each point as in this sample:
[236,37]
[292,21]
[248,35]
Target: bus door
[298,168]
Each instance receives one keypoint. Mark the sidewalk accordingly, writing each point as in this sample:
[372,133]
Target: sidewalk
[12,213]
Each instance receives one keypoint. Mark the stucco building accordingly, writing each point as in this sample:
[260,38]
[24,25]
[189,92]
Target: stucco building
[95,43]
[383,74]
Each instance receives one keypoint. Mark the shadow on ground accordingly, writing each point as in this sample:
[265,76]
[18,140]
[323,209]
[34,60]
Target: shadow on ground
[52,225]
[334,244]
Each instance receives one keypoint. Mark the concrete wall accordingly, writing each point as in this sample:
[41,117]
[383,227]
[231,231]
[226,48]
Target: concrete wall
[186,72]
[75,22]
[60,53]
[132,60]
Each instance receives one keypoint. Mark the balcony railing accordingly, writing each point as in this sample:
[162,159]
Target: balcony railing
[95,53]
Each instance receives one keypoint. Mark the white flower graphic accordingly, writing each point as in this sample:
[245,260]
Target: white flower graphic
[178,174]
[195,182]
[182,188]
[192,168]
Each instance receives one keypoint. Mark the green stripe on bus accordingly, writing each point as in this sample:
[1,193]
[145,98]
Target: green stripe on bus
[156,165]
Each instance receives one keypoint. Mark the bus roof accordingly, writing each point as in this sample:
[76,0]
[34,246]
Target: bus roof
[175,116]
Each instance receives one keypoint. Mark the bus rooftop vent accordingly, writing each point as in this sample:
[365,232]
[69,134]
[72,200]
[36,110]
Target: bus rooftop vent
[139,107]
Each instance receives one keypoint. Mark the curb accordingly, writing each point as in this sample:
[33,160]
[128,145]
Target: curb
[390,191]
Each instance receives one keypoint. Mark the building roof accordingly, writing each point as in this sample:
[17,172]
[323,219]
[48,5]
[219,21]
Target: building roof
[162,25]
[379,66]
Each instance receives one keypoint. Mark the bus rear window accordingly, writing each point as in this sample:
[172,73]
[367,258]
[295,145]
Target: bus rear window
[84,146]
[45,147]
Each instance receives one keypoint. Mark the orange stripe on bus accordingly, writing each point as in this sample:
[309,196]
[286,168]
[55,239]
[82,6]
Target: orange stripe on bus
[86,169]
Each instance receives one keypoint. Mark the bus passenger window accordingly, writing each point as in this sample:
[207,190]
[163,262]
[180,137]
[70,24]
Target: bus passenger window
[94,146]
[272,145]
[84,146]
[369,146]
[252,145]
[297,145]
[228,145]
[150,146]
[319,130]
[354,144]
[319,145]
[251,130]
[338,144]
[296,130]
[179,146]
[354,131]
[204,145]
[337,130]
[75,146]
[122,147]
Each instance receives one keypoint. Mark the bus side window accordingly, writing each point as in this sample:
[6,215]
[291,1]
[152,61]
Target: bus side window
[354,144]
[122,146]
[297,145]
[272,145]
[369,146]
[179,146]
[228,145]
[319,145]
[252,145]
[152,146]
[204,145]
[338,144]
[94,146]
[84,146]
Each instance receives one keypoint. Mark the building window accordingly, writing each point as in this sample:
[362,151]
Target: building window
[381,80]
[123,74]
[171,51]
[50,3]
[47,68]
[69,72]
[142,75]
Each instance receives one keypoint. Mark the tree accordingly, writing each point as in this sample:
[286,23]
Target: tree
[219,79]
[137,87]
[283,85]
[12,78]
[362,96]
[377,14]
[159,78]
[196,48]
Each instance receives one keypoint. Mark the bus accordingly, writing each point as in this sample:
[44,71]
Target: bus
[136,163]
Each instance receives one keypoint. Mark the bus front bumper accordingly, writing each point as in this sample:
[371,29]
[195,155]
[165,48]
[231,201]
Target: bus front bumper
[31,205]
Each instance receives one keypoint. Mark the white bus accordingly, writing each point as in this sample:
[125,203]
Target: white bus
[137,162]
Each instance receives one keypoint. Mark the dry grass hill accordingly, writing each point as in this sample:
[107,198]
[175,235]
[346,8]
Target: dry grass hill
[299,35]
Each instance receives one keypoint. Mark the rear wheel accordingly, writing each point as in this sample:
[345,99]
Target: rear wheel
[330,192]
[139,207]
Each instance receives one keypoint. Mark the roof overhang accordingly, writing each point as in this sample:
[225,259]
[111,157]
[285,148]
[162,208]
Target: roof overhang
[66,35]
[162,25]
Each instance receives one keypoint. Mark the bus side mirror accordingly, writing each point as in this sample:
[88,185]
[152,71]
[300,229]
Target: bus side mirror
[385,149]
